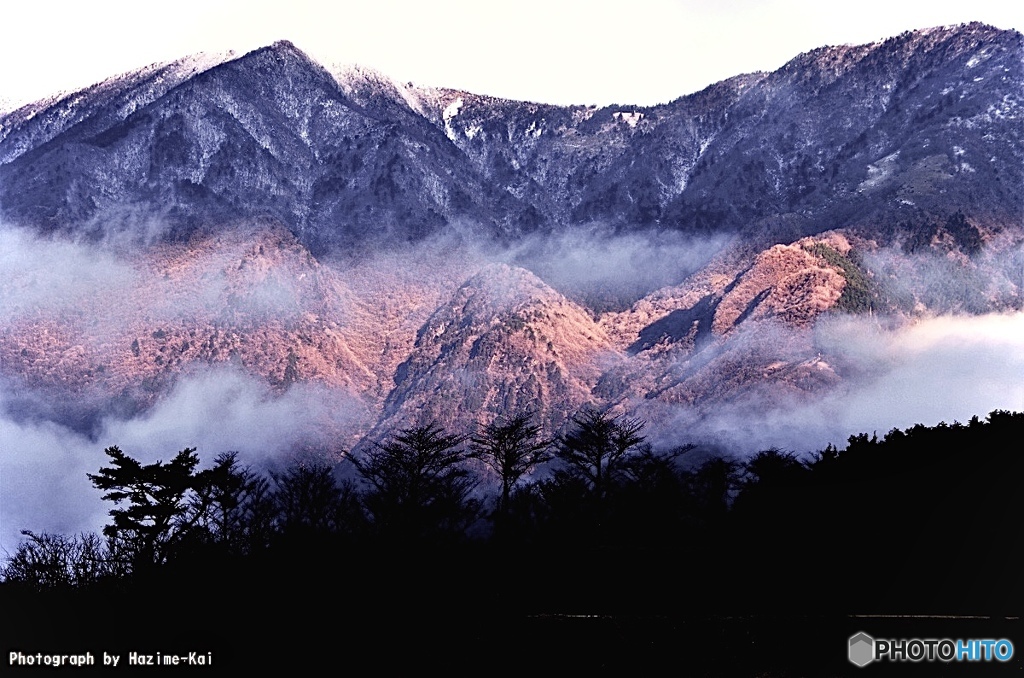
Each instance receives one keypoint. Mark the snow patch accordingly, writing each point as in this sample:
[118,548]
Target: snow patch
[354,79]
[411,97]
[878,172]
[581,115]
[977,59]
[450,111]
[631,118]
[997,113]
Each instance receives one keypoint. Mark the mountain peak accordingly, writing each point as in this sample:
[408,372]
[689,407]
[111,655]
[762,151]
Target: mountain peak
[281,47]
[281,53]
[284,45]
[909,42]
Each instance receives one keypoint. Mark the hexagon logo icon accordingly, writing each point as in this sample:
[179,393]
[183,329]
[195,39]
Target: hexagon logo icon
[862,649]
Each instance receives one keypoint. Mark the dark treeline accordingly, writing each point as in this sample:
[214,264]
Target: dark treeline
[505,523]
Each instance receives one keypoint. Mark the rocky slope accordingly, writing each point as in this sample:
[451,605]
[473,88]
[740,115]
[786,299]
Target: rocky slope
[505,342]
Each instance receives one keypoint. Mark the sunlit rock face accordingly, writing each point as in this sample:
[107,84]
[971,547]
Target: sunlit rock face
[430,254]
[505,342]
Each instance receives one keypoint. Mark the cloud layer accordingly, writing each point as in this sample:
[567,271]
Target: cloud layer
[894,373]
[947,368]
[43,464]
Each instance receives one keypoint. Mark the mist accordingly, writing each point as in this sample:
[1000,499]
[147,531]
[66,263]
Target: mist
[43,464]
[46,274]
[606,270]
[889,372]
[941,369]
[947,283]
[69,307]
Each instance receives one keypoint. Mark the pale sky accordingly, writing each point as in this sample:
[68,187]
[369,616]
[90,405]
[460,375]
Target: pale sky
[555,51]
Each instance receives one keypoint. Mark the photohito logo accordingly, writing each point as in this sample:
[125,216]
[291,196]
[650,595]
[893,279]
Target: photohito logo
[863,649]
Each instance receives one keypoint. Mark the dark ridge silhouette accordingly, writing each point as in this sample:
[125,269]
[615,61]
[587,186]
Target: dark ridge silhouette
[660,553]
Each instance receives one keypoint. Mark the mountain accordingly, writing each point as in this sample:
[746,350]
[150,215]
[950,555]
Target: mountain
[270,134]
[504,342]
[838,137]
[424,253]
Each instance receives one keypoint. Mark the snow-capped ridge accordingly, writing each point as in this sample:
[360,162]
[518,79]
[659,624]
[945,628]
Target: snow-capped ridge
[119,96]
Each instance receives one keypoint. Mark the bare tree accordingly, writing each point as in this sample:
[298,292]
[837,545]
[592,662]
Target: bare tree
[46,561]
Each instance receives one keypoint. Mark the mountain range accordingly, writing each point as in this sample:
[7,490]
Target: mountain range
[421,254]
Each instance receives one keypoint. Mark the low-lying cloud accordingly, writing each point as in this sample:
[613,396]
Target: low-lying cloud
[42,273]
[610,269]
[947,283]
[946,368]
[43,464]
[892,374]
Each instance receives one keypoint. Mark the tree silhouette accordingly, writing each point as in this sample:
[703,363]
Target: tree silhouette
[712,485]
[233,505]
[772,483]
[774,513]
[418,484]
[651,502]
[773,468]
[596,450]
[594,456]
[47,561]
[309,501]
[512,449]
[158,514]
